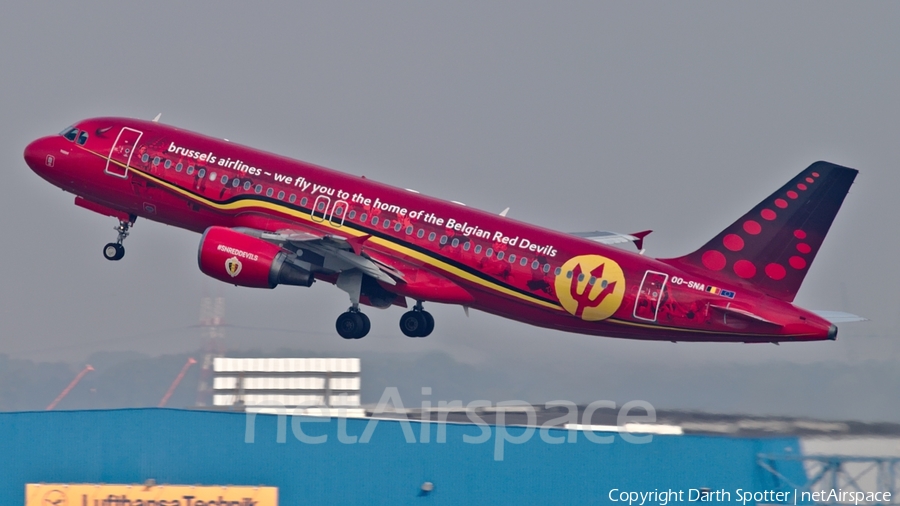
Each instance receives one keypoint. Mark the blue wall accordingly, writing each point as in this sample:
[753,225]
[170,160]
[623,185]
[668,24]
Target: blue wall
[195,447]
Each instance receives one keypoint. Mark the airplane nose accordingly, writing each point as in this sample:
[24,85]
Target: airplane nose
[36,155]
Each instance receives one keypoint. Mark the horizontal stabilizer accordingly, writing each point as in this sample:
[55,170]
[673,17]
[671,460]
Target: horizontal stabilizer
[606,237]
[840,316]
[743,314]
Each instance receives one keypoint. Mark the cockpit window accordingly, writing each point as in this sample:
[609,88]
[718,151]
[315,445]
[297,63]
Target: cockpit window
[70,133]
[82,138]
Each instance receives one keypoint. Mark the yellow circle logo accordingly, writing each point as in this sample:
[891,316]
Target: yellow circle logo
[591,287]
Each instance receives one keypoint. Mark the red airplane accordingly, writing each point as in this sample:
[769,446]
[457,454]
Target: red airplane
[268,220]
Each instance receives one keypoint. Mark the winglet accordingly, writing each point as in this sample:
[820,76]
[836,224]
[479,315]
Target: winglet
[639,242]
[156,119]
[357,242]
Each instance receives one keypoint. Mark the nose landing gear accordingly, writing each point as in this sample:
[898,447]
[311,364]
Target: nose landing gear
[115,250]
[417,323]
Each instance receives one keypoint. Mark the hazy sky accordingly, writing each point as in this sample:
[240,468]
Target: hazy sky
[677,117]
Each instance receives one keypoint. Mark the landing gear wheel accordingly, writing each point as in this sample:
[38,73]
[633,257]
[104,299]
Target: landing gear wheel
[429,324]
[113,251]
[352,325]
[413,323]
[367,325]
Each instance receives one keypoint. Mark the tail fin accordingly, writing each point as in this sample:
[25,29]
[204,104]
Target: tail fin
[773,245]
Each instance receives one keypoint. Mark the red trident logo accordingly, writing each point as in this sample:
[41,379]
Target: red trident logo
[591,287]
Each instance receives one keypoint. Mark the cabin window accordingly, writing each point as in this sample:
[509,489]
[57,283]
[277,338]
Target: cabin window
[190,170]
[398,226]
[320,206]
[546,268]
[443,239]
[467,245]
[535,265]
[293,198]
[387,223]
[431,236]
[224,180]
[269,192]
[280,195]
[337,210]
[201,173]
[409,230]
[178,166]
[258,188]
[167,164]
[351,214]
[374,220]
[212,176]
[303,201]
[247,185]
[70,133]
[363,217]
[569,274]
[477,249]
[512,258]
[145,158]
[523,262]
[155,160]
[421,233]
[558,271]
[581,277]
[235,182]
[500,255]
[455,242]
[592,280]
[489,252]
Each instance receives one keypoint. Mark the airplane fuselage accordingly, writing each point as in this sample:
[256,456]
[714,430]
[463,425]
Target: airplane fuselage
[502,266]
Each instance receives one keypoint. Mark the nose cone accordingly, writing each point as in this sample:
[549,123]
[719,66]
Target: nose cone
[39,155]
[33,154]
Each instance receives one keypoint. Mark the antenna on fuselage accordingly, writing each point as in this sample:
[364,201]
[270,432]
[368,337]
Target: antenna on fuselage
[156,119]
[503,212]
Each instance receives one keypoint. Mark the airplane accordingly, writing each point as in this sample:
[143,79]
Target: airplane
[268,220]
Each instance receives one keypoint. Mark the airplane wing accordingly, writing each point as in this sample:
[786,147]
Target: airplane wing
[606,237]
[336,253]
[339,253]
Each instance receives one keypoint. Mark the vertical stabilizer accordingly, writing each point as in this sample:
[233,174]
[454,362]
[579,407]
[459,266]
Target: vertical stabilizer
[773,245]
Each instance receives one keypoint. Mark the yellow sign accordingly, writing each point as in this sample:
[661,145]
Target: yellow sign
[591,287]
[81,494]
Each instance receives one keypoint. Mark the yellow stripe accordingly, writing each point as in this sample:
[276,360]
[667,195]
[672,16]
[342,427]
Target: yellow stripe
[240,204]
[398,248]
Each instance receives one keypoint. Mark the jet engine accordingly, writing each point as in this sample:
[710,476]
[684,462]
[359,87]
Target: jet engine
[240,259]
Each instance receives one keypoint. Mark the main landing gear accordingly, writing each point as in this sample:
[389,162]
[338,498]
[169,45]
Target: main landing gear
[353,324]
[417,323]
[115,250]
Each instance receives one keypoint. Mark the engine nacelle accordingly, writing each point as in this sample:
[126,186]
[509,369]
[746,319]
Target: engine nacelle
[244,260]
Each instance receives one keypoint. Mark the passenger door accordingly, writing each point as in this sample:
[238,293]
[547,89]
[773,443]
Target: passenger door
[122,151]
